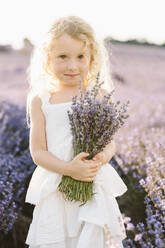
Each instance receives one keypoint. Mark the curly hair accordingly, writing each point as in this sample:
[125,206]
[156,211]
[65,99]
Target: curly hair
[39,74]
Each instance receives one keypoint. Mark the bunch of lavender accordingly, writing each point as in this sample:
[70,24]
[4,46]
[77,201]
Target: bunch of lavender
[93,123]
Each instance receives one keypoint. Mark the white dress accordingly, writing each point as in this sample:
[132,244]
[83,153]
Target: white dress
[58,223]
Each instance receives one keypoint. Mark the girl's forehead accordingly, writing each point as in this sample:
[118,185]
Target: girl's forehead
[67,43]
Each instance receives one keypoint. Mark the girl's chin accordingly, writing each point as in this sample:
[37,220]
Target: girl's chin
[74,79]
[71,82]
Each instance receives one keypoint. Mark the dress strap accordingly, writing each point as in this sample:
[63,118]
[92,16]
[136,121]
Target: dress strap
[44,97]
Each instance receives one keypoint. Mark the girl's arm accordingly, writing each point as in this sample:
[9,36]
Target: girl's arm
[38,146]
[50,162]
[107,153]
[110,150]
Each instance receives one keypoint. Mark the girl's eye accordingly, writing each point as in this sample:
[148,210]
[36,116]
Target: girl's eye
[81,56]
[62,56]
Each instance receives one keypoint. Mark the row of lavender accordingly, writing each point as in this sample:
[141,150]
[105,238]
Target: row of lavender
[16,167]
[142,160]
[140,163]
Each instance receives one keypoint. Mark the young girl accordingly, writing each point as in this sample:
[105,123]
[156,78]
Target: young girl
[69,53]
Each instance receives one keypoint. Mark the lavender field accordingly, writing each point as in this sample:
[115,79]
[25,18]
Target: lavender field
[138,75]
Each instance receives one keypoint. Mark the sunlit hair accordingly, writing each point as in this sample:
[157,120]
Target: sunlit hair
[39,74]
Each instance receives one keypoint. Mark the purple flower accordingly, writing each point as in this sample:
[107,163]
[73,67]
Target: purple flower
[93,123]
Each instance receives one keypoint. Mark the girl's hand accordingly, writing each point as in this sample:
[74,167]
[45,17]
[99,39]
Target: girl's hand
[101,157]
[81,169]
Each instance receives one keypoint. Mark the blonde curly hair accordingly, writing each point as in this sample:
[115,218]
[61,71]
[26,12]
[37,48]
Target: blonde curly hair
[39,74]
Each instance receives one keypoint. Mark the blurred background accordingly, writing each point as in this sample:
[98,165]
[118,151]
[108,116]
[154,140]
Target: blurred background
[133,31]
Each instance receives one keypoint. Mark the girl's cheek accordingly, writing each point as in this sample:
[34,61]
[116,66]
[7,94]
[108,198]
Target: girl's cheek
[59,65]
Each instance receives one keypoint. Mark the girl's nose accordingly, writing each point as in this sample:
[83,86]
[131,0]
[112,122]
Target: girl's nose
[72,65]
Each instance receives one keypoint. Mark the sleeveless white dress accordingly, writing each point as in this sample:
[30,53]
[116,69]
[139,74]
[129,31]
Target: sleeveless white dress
[58,223]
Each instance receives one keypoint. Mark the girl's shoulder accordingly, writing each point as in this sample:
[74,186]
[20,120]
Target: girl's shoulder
[36,103]
[39,99]
[35,108]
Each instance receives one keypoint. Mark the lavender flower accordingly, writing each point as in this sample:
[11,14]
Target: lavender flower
[143,152]
[93,123]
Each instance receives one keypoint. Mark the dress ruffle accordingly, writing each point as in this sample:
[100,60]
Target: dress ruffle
[100,210]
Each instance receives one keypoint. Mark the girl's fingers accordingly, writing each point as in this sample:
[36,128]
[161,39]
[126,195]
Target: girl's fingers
[93,174]
[94,170]
[89,179]
[94,163]
[95,166]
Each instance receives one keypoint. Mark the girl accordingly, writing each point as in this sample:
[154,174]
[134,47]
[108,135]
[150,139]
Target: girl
[69,53]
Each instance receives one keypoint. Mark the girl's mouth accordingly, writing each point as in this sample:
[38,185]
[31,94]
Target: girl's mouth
[71,75]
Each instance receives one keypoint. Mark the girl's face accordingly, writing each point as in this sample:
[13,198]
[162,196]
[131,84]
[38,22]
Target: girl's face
[69,60]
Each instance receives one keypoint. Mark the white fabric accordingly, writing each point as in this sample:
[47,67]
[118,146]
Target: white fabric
[58,223]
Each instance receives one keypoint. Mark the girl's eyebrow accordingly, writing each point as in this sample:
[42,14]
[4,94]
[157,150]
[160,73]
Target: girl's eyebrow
[64,53]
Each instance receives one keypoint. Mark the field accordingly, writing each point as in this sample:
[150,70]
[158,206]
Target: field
[138,75]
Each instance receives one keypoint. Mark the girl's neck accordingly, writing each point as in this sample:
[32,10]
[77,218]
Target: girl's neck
[68,89]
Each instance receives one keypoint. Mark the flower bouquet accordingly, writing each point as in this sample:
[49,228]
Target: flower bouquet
[93,123]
